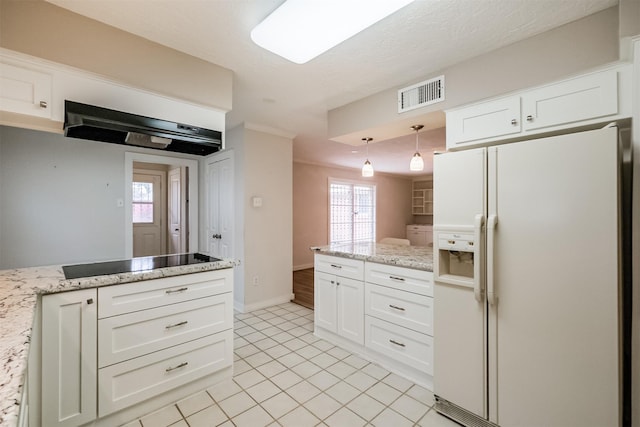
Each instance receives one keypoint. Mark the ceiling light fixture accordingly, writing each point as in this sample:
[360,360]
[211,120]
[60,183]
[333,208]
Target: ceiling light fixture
[300,30]
[367,169]
[417,164]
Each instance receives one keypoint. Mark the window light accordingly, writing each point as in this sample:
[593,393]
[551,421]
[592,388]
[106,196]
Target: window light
[300,30]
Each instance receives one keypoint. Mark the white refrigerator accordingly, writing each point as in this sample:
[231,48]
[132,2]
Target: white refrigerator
[527,282]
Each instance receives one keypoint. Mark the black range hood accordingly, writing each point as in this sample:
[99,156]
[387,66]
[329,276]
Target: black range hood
[102,124]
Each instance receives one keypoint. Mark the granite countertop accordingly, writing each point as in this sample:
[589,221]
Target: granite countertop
[416,257]
[19,291]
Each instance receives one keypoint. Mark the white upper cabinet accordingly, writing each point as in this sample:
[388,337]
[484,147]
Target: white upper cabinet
[489,119]
[590,99]
[27,84]
[25,91]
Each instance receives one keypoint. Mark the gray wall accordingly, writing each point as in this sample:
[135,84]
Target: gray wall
[58,199]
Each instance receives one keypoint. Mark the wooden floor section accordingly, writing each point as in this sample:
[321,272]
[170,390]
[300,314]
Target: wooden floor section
[303,287]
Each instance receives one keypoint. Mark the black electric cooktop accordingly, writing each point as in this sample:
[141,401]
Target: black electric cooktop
[133,265]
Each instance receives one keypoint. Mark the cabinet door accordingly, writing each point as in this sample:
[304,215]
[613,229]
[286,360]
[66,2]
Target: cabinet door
[583,98]
[350,309]
[487,120]
[25,91]
[220,218]
[69,358]
[325,301]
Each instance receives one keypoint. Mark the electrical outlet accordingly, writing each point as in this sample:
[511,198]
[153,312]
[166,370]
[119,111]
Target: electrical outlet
[255,280]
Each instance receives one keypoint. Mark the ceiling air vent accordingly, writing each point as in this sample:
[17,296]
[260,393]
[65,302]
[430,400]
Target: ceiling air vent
[421,94]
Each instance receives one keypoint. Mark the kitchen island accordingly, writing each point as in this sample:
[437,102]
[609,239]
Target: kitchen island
[415,257]
[376,300]
[21,292]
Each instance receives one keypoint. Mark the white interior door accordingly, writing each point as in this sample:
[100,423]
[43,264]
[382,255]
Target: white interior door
[220,209]
[556,278]
[459,319]
[149,235]
[176,210]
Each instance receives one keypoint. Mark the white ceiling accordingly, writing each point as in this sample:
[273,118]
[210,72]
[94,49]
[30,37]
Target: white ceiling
[272,92]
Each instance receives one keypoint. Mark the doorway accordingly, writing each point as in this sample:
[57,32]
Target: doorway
[149,208]
[161,205]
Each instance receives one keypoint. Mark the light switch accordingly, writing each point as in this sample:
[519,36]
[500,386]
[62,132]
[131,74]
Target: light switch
[257,202]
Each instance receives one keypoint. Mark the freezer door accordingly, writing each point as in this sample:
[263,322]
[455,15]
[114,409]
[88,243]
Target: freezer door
[459,317]
[554,322]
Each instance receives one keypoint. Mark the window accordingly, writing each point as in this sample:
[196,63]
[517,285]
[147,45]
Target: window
[142,202]
[352,212]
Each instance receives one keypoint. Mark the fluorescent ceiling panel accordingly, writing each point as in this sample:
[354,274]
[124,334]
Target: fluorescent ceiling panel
[300,30]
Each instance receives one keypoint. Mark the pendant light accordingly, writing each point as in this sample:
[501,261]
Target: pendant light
[367,169]
[417,164]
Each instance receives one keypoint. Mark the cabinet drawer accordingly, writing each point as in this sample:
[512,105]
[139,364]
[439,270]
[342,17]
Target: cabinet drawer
[406,346]
[344,267]
[130,297]
[405,279]
[127,383]
[135,334]
[402,308]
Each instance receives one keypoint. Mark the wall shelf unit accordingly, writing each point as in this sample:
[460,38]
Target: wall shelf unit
[422,197]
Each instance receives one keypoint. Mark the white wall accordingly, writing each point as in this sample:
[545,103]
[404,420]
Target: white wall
[58,199]
[263,168]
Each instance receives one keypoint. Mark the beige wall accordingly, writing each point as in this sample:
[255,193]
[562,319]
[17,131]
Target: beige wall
[46,31]
[310,206]
[263,168]
[567,50]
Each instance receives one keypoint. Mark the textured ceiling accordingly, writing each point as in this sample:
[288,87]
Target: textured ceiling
[273,92]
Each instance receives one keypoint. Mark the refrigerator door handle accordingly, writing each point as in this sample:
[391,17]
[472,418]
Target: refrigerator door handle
[492,222]
[478,222]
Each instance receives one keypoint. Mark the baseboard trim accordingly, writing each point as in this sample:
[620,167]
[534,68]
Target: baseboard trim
[246,308]
[302,267]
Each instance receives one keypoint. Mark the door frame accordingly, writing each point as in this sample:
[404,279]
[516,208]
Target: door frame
[192,173]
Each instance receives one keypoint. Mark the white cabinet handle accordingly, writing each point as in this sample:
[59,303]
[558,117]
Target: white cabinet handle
[492,295]
[396,307]
[173,291]
[477,279]
[182,365]
[43,104]
[397,343]
[529,118]
[336,266]
[175,325]
[514,122]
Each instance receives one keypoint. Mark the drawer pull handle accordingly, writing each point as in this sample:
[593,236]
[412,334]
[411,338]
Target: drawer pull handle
[336,266]
[396,278]
[173,291]
[182,365]
[175,325]
[397,343]
[396,307]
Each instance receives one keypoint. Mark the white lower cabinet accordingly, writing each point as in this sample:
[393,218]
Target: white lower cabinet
[127,383]
[339,300]
[111,348]
[386,318]
[69,360]
[402,344]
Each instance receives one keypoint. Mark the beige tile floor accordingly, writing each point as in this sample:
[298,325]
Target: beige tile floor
[285,376]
